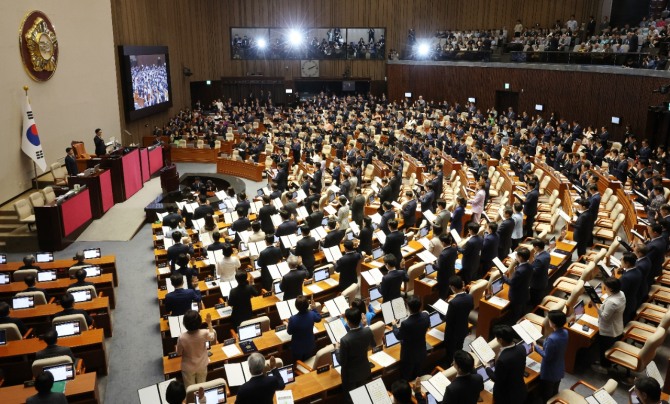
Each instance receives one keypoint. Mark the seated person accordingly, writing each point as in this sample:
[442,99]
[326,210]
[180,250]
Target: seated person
[648,391]
[29,263]
[6,319]
[30,281]
[256,233]
[43,384]
[53,349]
[173,217]
[67,303]
[80,262]
[179,300]
[80,276]
[242,223]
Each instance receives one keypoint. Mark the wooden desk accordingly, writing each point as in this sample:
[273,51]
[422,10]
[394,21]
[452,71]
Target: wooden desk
[126,171]
[100,190]
[251,171]
[365,266]
[103,283]
[39,317]
[60,223]
[107,264]
[19,355]
[194,155]
[82,390]
[579,339]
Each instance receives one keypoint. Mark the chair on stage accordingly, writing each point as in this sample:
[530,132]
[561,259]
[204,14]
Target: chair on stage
[25,212]
[59,173]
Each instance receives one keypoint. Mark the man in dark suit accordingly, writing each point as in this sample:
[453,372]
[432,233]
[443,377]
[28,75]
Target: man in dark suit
[345,186]
[358,207]
[265,215]
[316,217]
[281,179]
[291,283]
[287,226]
[471,253]
[306,248]
[260,389]
[30,282]
[428,199]
[67,303]
[456,318]
[312,197]
[53,349]
[347,265]
[100,148]
[80,276]
[175,250]
[270,256]
[393,280]
[539,281]
[510,365]
[643,264]
[583,228]
[6,319]
[594,202]
[243,203]
[394,240]
[352,354]
[519,284]
[242,222]
[412,337]
[409,211]
[446,264]
[657,247]
[505,233]
[240,299]
[388,214]
[530,208]
[173,217]
[631,281]
[70,162]
[386,193]
[44,382]
[334,236]
[337,173]
[490,247]
[179,300]
[466,386]
[318,178]
[216,243]
[205,208]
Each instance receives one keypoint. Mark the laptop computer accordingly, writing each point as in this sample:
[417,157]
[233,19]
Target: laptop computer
[5,279]
[92,253]
[250,331]
[61,372]
[286,373]
[23,302]
[68,329]
[213,395]
[44,257]
[321,274]
[81,296]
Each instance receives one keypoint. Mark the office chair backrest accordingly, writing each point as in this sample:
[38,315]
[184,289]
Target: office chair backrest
[38,297]
[648,350]
[94,294]
[378,329]
[264,321]
[21,274]
[23,209]
[414,272]
[36,199]
[39,364]
[193,389]
[323,356]
[49,194]
[350,292]
[477,289]
[12,332]
[71,317]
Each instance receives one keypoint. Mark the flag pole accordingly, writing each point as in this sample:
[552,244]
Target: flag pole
[34,181]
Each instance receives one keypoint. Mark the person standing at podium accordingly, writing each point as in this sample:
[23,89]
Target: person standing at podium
[70,162]
[100,147]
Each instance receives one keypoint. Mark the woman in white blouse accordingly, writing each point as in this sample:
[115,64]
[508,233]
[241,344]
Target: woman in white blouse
[343,213]
[610,320]
[226,267]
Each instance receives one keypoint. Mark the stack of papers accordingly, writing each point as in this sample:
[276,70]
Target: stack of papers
[332,253]
[372,393]
[532,364]
[436,385]
[382,359]
[373,276]
[231,350]
[394,310]
[527,331]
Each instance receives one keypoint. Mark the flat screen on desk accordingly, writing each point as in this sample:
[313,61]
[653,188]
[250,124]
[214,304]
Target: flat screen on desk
[435,319]
[61,372]
[375,294]
[579,310]
[91,253]
[81,295]
[4,279]
[92,271]
[250,331]
[23,302]
[430,269]
[286,374]
[3,337]
[497,286]
[482,372]
[423,232]
[46,276]
[277,288]
[321,275]
[68,329]
[44,257]
[214,395]
[390,339]
[145,80]
[331,197]
[377,252]
[3,258]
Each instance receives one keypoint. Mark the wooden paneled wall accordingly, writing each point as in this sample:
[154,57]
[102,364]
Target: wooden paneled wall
[591,98]
[198,31]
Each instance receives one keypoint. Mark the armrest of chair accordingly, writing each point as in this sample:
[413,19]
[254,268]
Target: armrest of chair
[557,401]
[630,334]
[583,383]
[28,333]
[53,299]
[80,369]
[436,370]
[623,351]
[541,307]
[233,334]
[303,364]
[101,294]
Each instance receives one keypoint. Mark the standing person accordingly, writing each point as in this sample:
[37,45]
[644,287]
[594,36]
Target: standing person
[265,214]
[100,147]
[240,299]
[291,283]
[540,278]
[478,203]
[552,352]
[358,207]
[583,228]
[457,216]
[509,387]
[365,236]
[517,233]
[390,286]
[446,263]
[489,249]
[519,284]
[260,389]
[409,210]
[226,268]
[530,207]
[610,321]
[471,253]
[179,300]
[70,162]
[343,213]
[347,265]
[505,233]
[306,248]
[301,327]
[394,240]
[456,318]
[466,386]
[412,337]
[352,353]
[192,349]
[271,255]
[631,280]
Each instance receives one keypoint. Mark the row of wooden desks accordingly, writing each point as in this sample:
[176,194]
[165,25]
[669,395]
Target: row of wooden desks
[106,263]
[82,390]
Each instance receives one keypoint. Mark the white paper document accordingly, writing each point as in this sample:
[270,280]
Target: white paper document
[373,276]
[237,373]
[231,350]
[394,310]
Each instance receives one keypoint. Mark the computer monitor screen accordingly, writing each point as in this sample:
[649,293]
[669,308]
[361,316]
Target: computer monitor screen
[243,247]
[3,258]
[423,232]
[375,293]
[44,257]
[250,331]
[579,310]
[390,339]
[430,269]
[497,286]
[256,266]
[616,120]
[260,192]
[289,91]
[4,279]
[61,372]
[539,107]
[46,276]
[377,252]
[482,372]
[81,295]
[321,275]
[435,319]
[408,95]
[335,361]
[92,271]
[331,197]
[287,374]
[371,199]
[91,253]
[23,302]
[277,288]
[350,236]
[214,395]
[527,347]
[68,329]
[471,99]
[3,337]
[430,399]
[324,222]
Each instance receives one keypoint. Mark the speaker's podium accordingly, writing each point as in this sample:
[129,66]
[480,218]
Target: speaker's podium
[99,184]
[60,222]
[169,179]
[124,164]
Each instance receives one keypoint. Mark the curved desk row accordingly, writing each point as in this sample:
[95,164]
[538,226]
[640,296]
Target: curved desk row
[250,171]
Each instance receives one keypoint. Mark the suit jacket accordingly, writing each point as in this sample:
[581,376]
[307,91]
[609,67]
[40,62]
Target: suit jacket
[553,355]
[471,257]
[357,209]
[385,194]
[456,319]
[365,238]
[446,265]
[16,321]
[179,301]
[48,398]
[409,213]
[100,148]
[583,228]
[291,283]
[172,219]
[464,389]
[505,237]
[333,238]
[594,206]
[656,254]
[631,281]
[264,214]
[286,228]
[260,389]
[175,250]
[383,223]
[201,211]
[412,336]
[245,205]
[314,220]
[305,249]
[540,278]
[240,300]
[241,224]
[270,256]
[530,204]
[427,201]
[644,265]
[457,219]
[345,188]
[300,326]
[347,268]
[71,165]
[519,284]
[51,351]
[393,244]
[442,219]
[353,356]
[509,387]
[489,250]
[391,283]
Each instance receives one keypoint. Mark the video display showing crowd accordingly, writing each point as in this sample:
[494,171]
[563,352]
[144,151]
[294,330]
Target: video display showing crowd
[308,43]
[149,79]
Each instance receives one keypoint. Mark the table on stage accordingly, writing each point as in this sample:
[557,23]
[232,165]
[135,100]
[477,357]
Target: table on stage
[61,221]
[126,171]
[82,390]
[99,185]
